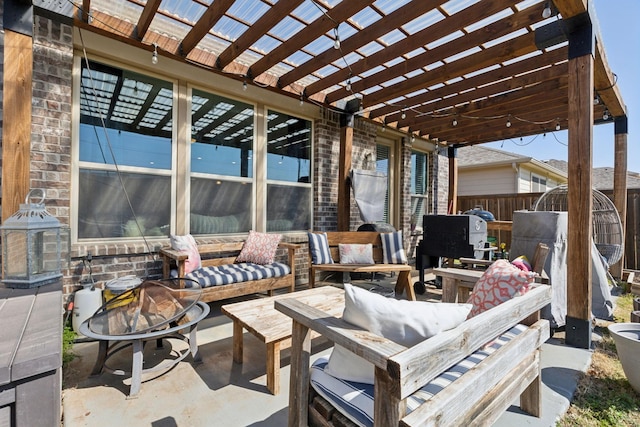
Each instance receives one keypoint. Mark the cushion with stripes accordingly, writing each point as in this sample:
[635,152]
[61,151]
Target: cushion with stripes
[393,248]
[355,400]
[319,248]
[235,273]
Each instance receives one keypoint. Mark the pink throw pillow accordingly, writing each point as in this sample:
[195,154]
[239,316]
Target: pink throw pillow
[499,283]
[259,248]
[187,244]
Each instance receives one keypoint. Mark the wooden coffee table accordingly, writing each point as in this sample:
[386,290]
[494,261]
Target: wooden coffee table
[274,328]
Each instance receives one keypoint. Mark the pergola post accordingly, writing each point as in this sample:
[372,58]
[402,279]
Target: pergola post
[620,184]
[453,180]
[16,104]
[344,191]
[580,203]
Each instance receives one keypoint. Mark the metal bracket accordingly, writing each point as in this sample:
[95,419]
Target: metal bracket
[621,125]
[578,332]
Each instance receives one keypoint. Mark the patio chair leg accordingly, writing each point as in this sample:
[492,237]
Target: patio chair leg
[136,369]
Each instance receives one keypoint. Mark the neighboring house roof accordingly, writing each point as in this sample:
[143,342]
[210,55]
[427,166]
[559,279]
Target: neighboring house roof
[602,177]
[476,156]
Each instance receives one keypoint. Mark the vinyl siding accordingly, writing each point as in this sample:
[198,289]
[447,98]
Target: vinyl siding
[486,181]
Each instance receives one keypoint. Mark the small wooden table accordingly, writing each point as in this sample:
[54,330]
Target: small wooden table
[457,283]
[274,328]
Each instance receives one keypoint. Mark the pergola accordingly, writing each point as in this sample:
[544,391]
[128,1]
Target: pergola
[458,72]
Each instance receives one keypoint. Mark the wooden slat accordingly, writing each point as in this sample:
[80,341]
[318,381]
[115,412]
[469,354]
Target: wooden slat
[40,349]
[395,19]
[418,40]
[449,347]
[209,18]
[14,313]
[306,35]
[451,405]
[496,54]
[147,15]
[273,16]
[477,38]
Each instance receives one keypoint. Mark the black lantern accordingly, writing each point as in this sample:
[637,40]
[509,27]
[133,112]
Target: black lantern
[31,246]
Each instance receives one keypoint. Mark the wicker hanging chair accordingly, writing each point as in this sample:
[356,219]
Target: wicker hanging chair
[607,227]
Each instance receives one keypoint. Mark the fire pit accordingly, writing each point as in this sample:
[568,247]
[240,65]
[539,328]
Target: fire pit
[153,310]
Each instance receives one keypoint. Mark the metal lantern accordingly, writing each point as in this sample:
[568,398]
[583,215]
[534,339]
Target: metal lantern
[31,246]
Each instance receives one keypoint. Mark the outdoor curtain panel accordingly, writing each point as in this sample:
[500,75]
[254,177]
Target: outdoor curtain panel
[369,191]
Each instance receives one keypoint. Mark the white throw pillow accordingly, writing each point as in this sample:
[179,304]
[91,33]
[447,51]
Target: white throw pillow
[355,253]
[404,322]
[187,244]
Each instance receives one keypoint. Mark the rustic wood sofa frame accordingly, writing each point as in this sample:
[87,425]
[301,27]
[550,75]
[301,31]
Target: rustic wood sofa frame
[216,254]
[478,397]
[362,237]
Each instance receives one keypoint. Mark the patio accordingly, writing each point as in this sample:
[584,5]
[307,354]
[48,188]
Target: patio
[219,392]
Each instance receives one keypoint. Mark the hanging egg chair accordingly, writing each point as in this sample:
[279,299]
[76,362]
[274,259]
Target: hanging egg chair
[607,227]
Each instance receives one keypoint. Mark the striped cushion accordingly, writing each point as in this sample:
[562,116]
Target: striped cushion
[319,248]
[393,248]
[355,400]
[234,273]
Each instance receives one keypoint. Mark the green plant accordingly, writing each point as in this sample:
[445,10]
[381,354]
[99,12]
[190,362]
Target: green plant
[68,337]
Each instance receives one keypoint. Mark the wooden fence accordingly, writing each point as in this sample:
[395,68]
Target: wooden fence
[502,207]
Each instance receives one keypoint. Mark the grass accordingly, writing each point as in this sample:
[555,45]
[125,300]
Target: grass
[604,397]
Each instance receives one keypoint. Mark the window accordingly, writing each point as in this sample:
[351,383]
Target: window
[383,164]
[135,166]
[288,172]
[538,184]
[125,134]
[221,164]
[419,187]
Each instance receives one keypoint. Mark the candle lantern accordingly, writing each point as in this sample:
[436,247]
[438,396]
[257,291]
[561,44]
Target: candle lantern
[31,246]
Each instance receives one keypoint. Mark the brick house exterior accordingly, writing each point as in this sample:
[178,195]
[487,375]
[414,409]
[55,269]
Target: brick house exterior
[52,168]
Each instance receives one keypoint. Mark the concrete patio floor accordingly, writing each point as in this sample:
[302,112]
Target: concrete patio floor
[218,392]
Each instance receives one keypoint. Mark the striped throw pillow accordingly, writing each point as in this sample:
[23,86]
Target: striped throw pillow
[393,248]
[319,248]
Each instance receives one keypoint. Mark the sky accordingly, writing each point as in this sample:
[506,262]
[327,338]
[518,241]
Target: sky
[620,30]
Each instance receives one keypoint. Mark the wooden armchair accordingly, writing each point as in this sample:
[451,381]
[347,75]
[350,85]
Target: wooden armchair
[478,397]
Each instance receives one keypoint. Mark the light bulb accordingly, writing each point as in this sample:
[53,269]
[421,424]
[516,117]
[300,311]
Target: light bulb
[596,100]
[403,115]
[508,123]
[154,55]
[455,122]
[558,126]
[301,100]
[348,87]
[336,43]
[244,85]
[413,138]
[546,12]
[605,115]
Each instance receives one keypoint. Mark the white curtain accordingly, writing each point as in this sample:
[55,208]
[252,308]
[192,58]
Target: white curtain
[369,191]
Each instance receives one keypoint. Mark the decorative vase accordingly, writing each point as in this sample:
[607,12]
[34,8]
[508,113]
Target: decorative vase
[627,339]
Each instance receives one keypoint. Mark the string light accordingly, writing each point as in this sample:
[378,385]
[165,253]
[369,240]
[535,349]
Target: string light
[596,100]
[605,115]
[301,99]
[336,43]
[455,122]
[508,123]
[403,115]
[154,55]
[348,87]
[546,12]
[244,86]
[558,125]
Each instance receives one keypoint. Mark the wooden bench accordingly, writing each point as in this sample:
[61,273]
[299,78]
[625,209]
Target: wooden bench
[217,254]
[334,238]
[478,397]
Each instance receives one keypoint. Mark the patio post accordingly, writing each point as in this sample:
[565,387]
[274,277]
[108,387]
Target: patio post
[453,180]
[17,80]
[620,183]
[344,192]
[580,203]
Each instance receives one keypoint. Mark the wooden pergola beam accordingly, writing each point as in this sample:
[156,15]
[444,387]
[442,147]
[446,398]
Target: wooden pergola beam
[16,105]
[147,15]
[209,18]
